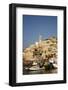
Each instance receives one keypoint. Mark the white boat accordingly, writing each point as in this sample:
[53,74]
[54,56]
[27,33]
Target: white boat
[34,68]
[55,65]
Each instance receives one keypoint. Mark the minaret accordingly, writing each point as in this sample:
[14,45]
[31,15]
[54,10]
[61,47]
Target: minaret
[39,42]
[40,38]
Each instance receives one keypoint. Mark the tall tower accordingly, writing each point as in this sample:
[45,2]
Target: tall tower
[40,38]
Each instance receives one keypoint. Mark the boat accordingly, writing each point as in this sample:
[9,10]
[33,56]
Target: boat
[35,68]
[55,65]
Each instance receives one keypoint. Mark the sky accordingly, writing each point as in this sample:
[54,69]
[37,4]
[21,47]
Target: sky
[34,26]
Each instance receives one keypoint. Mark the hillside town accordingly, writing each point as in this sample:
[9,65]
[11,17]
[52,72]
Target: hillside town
[42,55]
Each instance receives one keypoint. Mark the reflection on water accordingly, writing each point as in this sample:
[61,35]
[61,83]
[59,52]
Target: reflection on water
[27,72]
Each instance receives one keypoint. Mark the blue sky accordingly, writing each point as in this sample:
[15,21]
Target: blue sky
[38,25]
